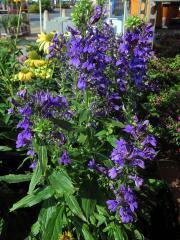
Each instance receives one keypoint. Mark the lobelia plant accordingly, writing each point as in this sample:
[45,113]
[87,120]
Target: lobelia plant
[87,147]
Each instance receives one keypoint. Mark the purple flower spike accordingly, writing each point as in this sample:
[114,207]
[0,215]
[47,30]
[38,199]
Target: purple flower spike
[65,158]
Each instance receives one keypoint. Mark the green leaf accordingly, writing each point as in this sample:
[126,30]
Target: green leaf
[43,158]
[84,115]
[82,138]
[33,199]
[36,178]
[101,133]
[119,233]
[117,124]
[138,235]
[61,182]
[55,224]
[86,232]
[1,225]
[88,206]
[102,210]
[47,210]
[112,139]
[13,178]
[74,206]
[101,219]
[5,149]
[63,124]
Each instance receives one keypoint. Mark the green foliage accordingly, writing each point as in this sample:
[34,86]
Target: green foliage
[162,108]
[165,70]
[34,7]
[81,13]
[133,22]
[12,178]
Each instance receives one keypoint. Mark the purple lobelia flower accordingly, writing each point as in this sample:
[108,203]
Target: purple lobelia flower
[24,138]
[25,110]
[25,123]
[96,15]
[149,140]
[92,164]
[112,205]
[112,173]
[65,160]
[10,111]
[33,165]
[119,152]
[22,93]
[82,83]
[125,215]
[137,180]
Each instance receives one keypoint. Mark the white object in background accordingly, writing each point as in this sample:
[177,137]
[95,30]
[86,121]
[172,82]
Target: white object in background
[40,16]
[117,24]
[45,19]
[58,24]
[125,14]
[63,12]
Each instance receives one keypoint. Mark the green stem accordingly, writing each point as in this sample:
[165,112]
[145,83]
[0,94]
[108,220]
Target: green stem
[18,25]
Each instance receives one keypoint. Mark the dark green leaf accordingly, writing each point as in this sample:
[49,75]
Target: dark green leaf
[12,178]
[101,133]
[55,224]
[86,232]
[84,115]
[61,182]
[33,199]
[5,149]
[36,178]
[63,124]
[82,138]
[88,206]
[43,158]
[47,210]
[138,235]
[74,206]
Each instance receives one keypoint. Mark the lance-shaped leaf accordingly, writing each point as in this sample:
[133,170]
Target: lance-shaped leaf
[13,178]
[74,206]
[55,224]
[33,199]
[61,182]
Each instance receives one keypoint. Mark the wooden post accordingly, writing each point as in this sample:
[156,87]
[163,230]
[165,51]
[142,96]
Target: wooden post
[45,19]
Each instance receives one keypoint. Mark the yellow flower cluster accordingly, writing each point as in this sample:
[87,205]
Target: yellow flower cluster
[34,67]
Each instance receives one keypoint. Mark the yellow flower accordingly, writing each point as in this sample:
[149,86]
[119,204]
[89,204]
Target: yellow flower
[16,1]
[35,62]
[25,75]
[66,236]
[44,41]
